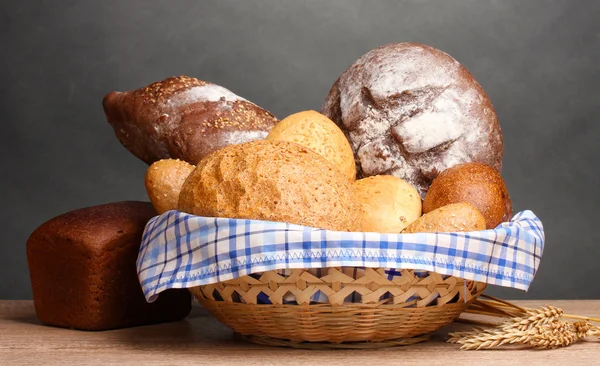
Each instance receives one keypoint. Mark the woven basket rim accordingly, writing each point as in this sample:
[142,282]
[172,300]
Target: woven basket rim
[328,326]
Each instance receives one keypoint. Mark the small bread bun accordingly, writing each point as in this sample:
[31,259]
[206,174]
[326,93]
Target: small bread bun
[319,133]
[389,203]
[454,217]
[275,181]
[163,180]
[475,183]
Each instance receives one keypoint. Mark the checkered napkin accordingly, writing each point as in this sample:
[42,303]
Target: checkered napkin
[180,251]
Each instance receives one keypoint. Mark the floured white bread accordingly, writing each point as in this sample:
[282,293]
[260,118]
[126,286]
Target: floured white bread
[183,118]
[413,111]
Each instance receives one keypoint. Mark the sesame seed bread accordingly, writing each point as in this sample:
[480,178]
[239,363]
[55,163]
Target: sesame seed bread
[455,217]
[271,180]
[163,181]
[183,118]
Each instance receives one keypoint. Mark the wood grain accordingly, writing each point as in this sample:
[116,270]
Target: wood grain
[200,339]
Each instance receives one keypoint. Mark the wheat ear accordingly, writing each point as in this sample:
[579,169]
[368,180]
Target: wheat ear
[536,328]
[533,318]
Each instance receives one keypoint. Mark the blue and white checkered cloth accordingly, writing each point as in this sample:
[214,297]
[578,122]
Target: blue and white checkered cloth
[180,251]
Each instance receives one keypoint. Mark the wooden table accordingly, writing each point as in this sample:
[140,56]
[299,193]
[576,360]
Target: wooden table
[200,339]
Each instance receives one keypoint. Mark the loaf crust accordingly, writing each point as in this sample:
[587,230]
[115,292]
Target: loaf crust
[83,270]
[389,203]
[319,133]
[475,183]
[183,118]
[413,111]
[274,181]
[163,182]
[455,217]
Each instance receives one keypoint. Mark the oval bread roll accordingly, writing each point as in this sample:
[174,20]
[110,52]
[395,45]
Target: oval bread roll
[389,203]
[163,180]
[450,218]
[183,118]
[319,133]
[475,183]
[275,181]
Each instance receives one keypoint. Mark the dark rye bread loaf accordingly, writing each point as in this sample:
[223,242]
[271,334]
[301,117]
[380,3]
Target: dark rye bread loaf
[83,270]
[413,111]
[183,118]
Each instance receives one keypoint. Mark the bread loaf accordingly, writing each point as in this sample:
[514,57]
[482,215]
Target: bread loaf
[274,181]
[163,181]
[455,217]
[319,133]
[83,270]
[475,183]
[183,118]
[413,111]
[389,203]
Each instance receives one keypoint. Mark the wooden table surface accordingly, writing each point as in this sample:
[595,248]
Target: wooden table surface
[200,339]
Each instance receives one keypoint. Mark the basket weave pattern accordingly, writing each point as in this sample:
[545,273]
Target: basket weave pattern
[415,305]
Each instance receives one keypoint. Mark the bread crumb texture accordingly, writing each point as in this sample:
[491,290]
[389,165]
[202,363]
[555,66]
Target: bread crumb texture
[275,181]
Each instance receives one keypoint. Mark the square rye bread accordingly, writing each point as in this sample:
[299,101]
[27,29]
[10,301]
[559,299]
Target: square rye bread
[83,270]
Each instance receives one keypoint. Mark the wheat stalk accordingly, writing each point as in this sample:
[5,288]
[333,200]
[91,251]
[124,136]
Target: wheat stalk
[548,335]
[533,318]
[553,335]
[493,306]
[540,328]
[487,338]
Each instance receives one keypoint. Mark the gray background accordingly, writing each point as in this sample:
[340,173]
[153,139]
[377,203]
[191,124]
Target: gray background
[539,61]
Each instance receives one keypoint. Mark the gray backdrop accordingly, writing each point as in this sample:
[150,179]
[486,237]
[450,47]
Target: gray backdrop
[539,61]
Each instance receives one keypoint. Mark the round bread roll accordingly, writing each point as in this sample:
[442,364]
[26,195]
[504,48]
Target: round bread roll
[319,133]
[164,180]
[455,217]
[475,183]
[413,111]
[389,203]
[275,181]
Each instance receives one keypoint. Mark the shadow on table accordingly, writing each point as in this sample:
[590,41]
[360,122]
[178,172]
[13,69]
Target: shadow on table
[199,331]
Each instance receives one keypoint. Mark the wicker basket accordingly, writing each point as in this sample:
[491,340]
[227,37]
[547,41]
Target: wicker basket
[413,306]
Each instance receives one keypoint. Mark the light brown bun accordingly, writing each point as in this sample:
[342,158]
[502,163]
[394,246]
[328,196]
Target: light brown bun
[275,181]
[475,183]
[163,180]
[319,133]
[451,218]
[389,203]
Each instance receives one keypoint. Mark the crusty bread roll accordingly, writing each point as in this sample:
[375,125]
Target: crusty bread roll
[451,218]
[475,183]
[412,111]
[274,181]
[163,180]
[319,133]
[389,203]
[183,118]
